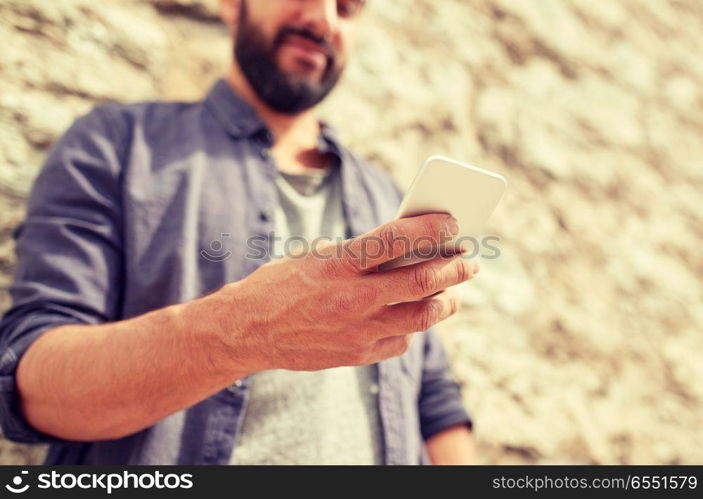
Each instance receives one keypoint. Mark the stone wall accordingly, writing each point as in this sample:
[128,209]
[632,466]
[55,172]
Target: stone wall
[583,342]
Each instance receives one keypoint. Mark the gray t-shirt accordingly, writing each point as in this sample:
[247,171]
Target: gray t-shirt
[321,417]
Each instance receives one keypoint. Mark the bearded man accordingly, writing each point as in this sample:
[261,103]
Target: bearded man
[147,327]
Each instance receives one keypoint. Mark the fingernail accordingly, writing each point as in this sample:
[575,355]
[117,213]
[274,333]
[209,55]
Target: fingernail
[453,226]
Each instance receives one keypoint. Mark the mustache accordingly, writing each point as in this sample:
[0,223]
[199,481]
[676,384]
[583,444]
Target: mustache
[309,35]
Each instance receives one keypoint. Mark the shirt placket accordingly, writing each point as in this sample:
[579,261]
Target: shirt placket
[361,219]
[263,199]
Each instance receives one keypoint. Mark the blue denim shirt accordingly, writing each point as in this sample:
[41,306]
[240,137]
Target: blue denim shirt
[117,222]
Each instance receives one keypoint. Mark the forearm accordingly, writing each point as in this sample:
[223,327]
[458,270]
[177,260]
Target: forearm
[454,445]
[95,382]
[110,380]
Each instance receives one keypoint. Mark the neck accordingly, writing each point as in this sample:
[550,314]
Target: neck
[301,129]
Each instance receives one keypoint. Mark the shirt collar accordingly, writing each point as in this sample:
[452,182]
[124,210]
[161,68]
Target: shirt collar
[237,116]
[241,120]
[328,141]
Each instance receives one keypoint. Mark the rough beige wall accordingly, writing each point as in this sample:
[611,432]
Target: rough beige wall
[583,342]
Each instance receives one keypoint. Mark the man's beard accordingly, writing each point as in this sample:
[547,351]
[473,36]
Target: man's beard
[284,93]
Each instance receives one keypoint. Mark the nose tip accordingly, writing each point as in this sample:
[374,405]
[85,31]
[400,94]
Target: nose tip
[321,17]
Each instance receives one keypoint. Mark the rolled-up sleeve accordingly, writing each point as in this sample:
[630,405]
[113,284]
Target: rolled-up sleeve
[440,402]
[69,253]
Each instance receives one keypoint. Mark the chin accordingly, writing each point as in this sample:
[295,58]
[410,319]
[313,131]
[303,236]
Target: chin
[293,66]
[297,75]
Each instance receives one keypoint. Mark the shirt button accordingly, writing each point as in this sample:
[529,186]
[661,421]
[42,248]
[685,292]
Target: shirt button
[265,154]
[235,386]
[374,389]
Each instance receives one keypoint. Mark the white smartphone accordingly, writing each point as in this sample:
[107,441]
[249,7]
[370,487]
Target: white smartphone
[444,185]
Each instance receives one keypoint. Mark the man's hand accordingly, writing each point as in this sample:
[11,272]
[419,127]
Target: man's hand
[105,381]
[330,308]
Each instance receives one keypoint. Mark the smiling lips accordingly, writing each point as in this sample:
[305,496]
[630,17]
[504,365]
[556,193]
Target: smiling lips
[313,54]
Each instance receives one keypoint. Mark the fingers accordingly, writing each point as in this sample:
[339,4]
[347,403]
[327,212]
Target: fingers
[403,318]
[395,326]
[421,280]
[396,239]
[393,346]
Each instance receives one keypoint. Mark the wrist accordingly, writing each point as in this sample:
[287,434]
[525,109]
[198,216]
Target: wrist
[218,324]
[224,323]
